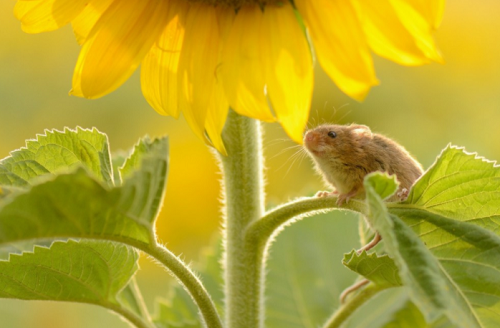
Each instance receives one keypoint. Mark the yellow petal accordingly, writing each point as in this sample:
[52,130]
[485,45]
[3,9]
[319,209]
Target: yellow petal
[340,44]
[431,10]
[116,45]
[288,68]
[417,23]
[216,118]
[386,34]
[85,21]
[225,19]
[436,12]
[47,15]
[197,65]
[160,66]
[241,68]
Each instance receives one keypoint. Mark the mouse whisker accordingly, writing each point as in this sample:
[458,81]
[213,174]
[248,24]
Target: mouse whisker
[275,142]
[299,155]
[347,113]
[302,156]
[295,153]
[285,150]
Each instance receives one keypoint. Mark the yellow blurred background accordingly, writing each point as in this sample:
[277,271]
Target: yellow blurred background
[424,108]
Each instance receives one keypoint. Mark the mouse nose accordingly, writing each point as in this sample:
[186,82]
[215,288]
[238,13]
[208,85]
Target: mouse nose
[310,140]
[310,136]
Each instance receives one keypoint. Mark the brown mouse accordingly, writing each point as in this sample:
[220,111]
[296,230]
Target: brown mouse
[344,154]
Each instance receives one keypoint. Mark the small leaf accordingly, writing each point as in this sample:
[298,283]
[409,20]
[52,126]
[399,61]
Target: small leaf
[118,159]
[56,151]
[431,289]
[145,176]
[86,271]
[141,150]
[380,270]
[383,184]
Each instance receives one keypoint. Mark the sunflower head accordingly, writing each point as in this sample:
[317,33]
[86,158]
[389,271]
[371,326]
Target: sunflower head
[200,57]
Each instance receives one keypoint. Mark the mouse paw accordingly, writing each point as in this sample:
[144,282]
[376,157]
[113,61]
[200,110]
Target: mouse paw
[403,194]
[343,199]
[325,193]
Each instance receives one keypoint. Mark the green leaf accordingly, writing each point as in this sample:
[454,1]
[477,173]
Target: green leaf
[23,246]
[56,151]
[118,159]
[383,184]
[141,150]
[409,316]
[210,271]
[77,205]
[71,205]
[431,288]
[380,270]
[455,209]
[86,271]
[176,311]
[378,310]
[128,299]
[304,273]
[460,185]
[145,175]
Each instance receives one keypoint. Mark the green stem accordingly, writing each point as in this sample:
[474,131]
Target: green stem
[139,299]
[259,234]
[130,316]
[190,281]
[262,230]
[243,183]
[353,303]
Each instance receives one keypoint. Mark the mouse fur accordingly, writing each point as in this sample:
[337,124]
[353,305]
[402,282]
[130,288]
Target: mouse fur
[345,154]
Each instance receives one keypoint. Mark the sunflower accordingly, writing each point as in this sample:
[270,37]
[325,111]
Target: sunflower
[255,56]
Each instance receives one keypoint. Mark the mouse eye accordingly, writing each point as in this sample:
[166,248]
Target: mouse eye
[332,134]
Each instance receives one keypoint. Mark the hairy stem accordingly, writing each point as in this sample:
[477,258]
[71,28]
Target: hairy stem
[190,281]
[243,186]
[262,230]
[352,304]
[259,234]
[130,316]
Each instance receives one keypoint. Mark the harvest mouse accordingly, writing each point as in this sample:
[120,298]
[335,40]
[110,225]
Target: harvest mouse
[344,154]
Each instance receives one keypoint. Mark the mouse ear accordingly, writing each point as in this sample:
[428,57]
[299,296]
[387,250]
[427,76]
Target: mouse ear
[360,131]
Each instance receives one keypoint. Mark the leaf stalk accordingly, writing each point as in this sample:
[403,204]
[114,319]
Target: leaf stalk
[352,304]
[130,316]
[190,281]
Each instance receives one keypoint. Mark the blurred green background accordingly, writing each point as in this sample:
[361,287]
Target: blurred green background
[424,108]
